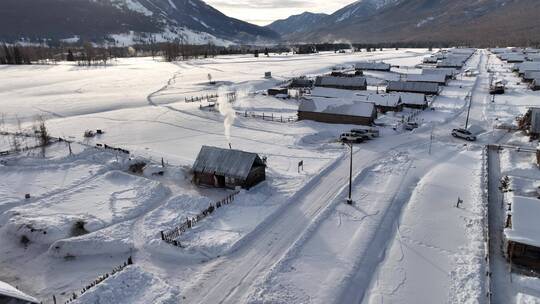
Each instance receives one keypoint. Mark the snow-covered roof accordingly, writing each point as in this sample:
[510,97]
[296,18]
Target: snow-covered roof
[226,162]
[414,87]
[515,57]
[12,292]
[337,106]
[454,63]
[531,75]
[385,100]
[435,78]
[525,225]
[376,66]
[359,82]
[449,72]
[413,98]
[333,93]
[528,66]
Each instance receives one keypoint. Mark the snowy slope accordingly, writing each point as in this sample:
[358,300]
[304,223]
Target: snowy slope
[90,19]
[484,22]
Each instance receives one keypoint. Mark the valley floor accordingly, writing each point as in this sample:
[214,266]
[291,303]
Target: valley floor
[290,239]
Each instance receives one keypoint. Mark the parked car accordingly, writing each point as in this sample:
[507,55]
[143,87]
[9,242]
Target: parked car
[351,137]
[409,126]
[368,133]
[463,133]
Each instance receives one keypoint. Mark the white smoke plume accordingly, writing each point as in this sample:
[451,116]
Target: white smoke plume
[226,110]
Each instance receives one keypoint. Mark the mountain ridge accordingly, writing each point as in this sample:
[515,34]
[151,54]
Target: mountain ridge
[97,20]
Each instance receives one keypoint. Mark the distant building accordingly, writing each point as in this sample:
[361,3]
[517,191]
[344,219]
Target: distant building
[384,102]
[414,100]
[522,232]
[301,82]
[448,72]
[345,83]
[337,111]
[306,49]
[278,91]
[228,168]
[450,63]
[432,78]
[529,76]
[11,295]
[373,66]
[521,68]
[535,84]
[413,87]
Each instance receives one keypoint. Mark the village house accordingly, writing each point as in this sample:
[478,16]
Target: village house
[535,84]
[337,111]
[522,232]
[521,68]
[345,83]
[279,92]
[530,76]
[431,78]
[384,102]
[448,72]
[373,66]
[413,87]
[228,168]
[300,82]
[414,100]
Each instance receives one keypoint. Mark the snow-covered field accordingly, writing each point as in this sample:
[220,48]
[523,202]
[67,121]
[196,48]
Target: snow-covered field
[288,240]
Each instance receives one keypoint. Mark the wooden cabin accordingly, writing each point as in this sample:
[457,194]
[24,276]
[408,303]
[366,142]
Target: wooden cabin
[522,233]
[228,168]
[373,66]
[337,111]
[413,87]
[344,83]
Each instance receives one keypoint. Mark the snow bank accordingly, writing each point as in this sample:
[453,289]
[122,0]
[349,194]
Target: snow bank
[132,285]
[115,239]
[110,198]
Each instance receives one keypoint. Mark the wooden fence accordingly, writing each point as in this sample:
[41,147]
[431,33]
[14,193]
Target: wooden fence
[172,235]
[263,116]
[231,97]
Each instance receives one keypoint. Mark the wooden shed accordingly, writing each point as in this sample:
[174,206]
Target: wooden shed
[345,83]
[337,111]
[413,87]
[228,168]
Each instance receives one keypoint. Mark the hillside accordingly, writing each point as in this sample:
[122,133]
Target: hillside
[95,20]
[482,22]
[297,23]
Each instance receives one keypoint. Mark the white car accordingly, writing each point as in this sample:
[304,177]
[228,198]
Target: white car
[367,133]
[409,126]
[463,133]
[351,137]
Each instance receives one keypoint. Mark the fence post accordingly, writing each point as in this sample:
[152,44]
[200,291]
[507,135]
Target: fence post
[162,236]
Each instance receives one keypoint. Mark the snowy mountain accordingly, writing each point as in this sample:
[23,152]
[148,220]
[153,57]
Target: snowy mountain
[459,21]
[297,23]
[192,20]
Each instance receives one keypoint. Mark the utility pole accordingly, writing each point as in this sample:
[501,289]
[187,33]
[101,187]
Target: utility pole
[468,111]
[350,144]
